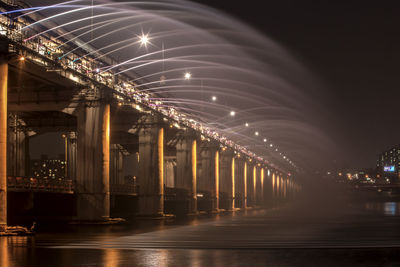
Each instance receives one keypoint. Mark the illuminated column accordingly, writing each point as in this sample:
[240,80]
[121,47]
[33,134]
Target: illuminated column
[262,185]
[254,195]
[71,139]
[3,141]
[240,180]
[227,178]
[273,181]
[151,168]
[285,188]
[208,181]
[250,183]
[245,172]
[267,185]
[186,168]
[93,177]
[279,187]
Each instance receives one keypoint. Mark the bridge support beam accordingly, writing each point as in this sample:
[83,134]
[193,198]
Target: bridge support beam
[250,184]
[186,168]
[18,148]
[93,178]
[151,168]
[240,182]
[262,176]
[273,187]
[227,181]
[3,142]
[116,165]
[267,185]
[278,187]
[209,179]
[71,143]
[255,179]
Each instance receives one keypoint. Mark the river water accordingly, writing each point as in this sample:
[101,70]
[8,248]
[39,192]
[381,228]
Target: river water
[308,232]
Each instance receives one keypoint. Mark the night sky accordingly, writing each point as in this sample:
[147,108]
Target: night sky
[352,47]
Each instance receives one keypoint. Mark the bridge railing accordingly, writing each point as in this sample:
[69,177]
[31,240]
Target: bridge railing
[123,189]
[40,184]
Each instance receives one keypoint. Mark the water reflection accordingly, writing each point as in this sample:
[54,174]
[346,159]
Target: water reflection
[266,236]
[386,208]
[4,260]
[112,257]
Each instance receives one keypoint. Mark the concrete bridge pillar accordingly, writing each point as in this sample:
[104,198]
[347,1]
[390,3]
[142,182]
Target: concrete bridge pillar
[240,181]
[250,183]
[116,165]
[71,142]
[255,186]
[18,148]
[278,187]
[227,178]
[209,179]
[93,164]
[262,177]
[274,183]
[151,168]
[186,168]
[267,185]
[3,139]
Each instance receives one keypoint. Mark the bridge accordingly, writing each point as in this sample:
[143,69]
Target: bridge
[178,164]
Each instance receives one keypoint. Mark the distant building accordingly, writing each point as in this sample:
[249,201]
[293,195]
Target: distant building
[388,163]
[48,168]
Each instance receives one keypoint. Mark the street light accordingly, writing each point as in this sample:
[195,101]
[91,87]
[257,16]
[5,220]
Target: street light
[256,133]
[21,58]
[214,98]
[246,124]
[232,113]
[265,140]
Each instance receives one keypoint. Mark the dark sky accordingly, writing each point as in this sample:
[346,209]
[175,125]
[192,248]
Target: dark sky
[353,47]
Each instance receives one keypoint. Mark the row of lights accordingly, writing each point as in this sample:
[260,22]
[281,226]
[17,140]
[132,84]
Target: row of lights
[232,113]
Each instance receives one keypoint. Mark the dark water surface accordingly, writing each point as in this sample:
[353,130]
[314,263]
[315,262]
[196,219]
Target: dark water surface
[307,233]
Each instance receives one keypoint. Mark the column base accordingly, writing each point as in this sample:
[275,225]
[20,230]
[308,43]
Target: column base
[93,207]
[105,221]
[161,216]
[15,230]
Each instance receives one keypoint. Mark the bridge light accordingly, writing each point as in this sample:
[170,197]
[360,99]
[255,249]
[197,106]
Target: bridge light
[214,98]
[246,124]
[265,140]
[188,75]
[256,133]
[144,39]
[232,113]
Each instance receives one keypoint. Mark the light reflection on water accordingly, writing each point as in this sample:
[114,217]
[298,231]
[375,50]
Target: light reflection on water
[102,247]
[386,208]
